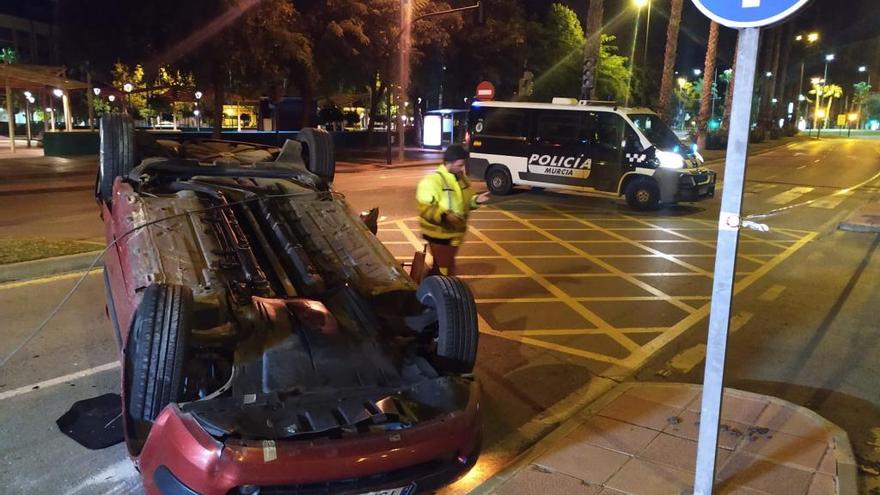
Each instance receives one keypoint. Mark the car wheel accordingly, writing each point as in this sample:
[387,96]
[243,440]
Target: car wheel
[318,152]
[498,180]
[117,152]
[457,331]
[643,194]
[157,347]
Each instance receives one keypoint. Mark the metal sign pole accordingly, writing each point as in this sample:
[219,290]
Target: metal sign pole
[725,258]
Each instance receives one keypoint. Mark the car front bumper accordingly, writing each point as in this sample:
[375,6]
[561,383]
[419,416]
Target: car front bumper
[181,458]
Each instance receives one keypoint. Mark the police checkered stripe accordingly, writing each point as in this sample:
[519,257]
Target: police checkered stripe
[636,157]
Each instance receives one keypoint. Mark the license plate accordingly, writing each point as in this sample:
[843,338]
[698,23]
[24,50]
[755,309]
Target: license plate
[404,490]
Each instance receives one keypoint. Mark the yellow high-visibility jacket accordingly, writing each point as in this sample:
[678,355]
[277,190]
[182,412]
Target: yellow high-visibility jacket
[441,192]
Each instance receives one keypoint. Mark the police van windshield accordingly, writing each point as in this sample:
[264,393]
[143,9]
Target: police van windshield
[660,135]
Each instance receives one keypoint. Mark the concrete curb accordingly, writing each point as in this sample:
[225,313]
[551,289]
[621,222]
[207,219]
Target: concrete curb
[847,469]
[47,266]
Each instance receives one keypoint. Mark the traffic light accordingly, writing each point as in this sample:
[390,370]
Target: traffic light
[480,14]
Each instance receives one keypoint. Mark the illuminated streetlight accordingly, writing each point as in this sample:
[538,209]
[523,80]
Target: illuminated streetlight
[853,117]
[862,68]
[820,113]
[196,113]
[198,95]
[799,37]
[27,94]
[681,82]
[769,74]
[813,37]
[111,98]
[829,57]
[127,87]
[640,3]
[57,92]
[97,91]
[697,72]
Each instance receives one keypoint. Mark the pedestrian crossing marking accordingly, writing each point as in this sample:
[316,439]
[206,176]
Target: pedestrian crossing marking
[789,196]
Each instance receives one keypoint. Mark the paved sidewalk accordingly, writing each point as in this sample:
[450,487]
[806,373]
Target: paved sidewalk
[865,219]
[640,439]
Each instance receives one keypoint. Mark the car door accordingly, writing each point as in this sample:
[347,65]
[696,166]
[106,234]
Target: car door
[606,139]
[558,151]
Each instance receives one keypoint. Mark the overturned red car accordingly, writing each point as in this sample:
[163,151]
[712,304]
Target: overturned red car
[270,343]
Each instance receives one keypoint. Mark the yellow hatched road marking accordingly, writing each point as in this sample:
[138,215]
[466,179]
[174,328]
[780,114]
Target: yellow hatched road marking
[611,268]
[627,240]
[553,289]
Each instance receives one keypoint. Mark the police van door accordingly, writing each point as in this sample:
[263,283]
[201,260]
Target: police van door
[558,153]
[605,136]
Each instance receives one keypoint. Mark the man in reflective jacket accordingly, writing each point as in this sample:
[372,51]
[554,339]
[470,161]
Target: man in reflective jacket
[445,199]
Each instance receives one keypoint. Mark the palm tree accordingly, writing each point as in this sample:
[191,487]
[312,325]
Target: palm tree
[708,86]
[666,86]
[728,98]
[591,48]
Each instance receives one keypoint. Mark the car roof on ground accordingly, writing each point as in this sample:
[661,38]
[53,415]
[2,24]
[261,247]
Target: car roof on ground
[571,105]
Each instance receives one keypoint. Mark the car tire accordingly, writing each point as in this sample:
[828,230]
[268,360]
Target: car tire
[318,152]
[498,180]
[643,194]
[117,152]
[457,331]
[157,347]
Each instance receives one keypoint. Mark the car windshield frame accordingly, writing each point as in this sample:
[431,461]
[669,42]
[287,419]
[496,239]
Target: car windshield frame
[658,133]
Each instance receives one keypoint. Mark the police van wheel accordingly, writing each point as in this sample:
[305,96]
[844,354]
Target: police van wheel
[643,194]
[498,181]
[457,331]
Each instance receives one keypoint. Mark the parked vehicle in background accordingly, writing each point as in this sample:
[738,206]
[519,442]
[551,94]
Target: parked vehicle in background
[584,146]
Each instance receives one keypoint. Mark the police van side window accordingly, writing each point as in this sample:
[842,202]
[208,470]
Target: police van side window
[605,130]
[557,128]
[501,123]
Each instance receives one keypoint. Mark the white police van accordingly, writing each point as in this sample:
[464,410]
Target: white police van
[584,146]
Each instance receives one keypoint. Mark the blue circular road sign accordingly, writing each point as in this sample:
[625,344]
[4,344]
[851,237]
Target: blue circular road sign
[748,13]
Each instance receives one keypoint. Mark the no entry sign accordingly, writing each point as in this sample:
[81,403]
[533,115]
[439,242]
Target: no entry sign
[748,13]
[485,91]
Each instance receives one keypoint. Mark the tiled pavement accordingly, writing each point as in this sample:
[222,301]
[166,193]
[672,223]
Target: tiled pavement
[640,439]
[609,287]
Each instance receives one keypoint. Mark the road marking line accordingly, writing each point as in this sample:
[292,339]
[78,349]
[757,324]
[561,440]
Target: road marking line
[772,293]
[789,196]
[833,201]
[687,360]
[636,359]
[47,280]
[686,238]
[593,318]
[58,380]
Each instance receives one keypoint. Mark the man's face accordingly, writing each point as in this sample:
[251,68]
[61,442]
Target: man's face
[456,167]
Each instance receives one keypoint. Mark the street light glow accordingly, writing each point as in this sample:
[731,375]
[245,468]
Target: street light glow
[111,98]
[640,3]
[769,74]
[813,37]
[97,91]
[798,37]
[820,113]
[697,72]
[196,113]
[127,87]
[829,57]
[198,95]
[57,92]
[681,82]
[27,94]
[862,68]
[853,117]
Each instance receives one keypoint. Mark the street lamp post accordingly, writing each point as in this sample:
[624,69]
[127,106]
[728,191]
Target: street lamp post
[632,56]
[28,99]
[828,59]
[810,39]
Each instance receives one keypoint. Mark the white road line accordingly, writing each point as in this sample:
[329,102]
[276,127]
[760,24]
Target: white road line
[789,196]
[833,201]
[58,380]
[772,293]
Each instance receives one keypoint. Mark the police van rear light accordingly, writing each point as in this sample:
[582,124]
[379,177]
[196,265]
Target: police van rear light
[670,160]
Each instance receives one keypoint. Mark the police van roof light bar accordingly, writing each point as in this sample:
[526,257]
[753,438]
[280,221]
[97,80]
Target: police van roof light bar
[607,103]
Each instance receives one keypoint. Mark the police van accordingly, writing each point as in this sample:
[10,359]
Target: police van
[584,146]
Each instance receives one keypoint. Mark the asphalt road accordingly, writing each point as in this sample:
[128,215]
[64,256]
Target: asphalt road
[574,292]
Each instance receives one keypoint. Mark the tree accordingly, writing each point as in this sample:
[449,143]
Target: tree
[613,74]
[708,81]
[687,94]
[593,46]
[829,91]
[135,102]
[557,42]
[861,91]
[666,85]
